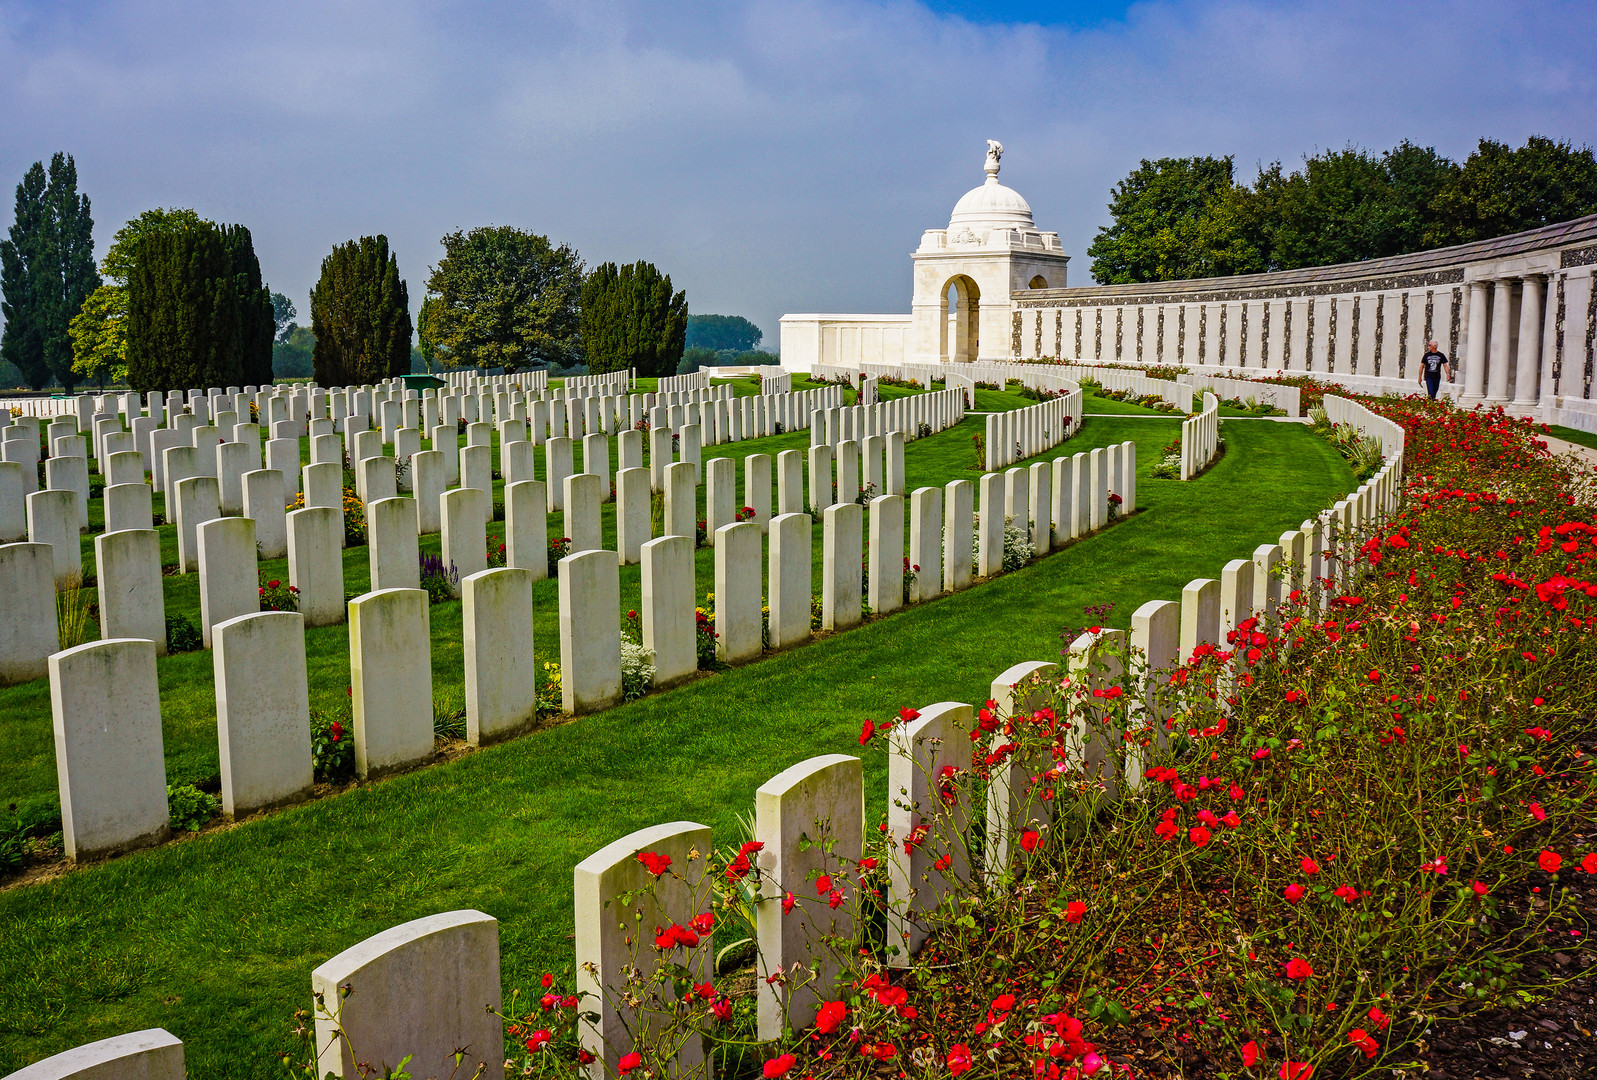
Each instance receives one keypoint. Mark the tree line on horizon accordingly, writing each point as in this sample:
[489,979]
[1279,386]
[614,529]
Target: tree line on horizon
[1178,218]
[179,302]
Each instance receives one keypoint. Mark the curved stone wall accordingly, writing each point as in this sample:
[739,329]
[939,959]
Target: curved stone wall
[1516,314]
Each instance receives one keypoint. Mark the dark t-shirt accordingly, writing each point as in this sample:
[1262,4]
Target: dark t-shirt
[1433,363]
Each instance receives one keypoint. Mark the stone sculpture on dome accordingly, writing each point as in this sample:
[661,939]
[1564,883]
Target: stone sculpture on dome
[995,151]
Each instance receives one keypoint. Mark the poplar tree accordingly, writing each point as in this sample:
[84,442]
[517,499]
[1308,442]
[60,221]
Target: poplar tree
[360,315]
[631,319]
[46,272]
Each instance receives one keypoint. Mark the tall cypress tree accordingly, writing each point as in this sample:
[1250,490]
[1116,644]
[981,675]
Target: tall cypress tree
[46,272]
[631,319]
[360,315]
[185,319]
[257,318]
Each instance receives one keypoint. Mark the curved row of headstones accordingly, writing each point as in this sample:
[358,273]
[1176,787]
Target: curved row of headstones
[431,987]
[1200,438]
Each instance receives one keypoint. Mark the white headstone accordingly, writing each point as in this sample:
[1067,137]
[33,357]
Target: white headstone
[29,632]
[465,532]
[584,493]
[390,663]
[128,580]
[590,631]
[229,586]
[152,1054]
[918,752]
[842,541]
[392,546]
[316,563]
[669,620]
[738,623]
[110,765]
[527,528]
[53,520]
[423,991]
[262,710]
[887,554]
[790,579]
[501,676]
[632,513]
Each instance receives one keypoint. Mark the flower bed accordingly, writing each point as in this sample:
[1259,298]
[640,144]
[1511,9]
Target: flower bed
[1358,820]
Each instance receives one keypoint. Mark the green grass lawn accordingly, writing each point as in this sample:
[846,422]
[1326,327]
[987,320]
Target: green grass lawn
[1574,435]
[214,937]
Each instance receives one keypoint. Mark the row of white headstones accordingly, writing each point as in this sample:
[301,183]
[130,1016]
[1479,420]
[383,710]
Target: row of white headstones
[113,795]
[431,986]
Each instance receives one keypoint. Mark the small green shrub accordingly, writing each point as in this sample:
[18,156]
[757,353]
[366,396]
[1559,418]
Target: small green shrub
[332,748]
[188,808]
[449,715]
[182,634]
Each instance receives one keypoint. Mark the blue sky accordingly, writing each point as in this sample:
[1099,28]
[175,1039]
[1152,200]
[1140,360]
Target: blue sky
[771,157]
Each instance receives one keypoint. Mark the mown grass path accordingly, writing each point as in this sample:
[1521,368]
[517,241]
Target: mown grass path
[214,937]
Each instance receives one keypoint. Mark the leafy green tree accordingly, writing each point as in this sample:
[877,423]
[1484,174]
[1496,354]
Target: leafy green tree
[1159,230]
[99,334]
[426,342]
[1501,190]
[631,319]
[46,272]
[283,315]
[118,261]
[360,314]
[722,332]
[187,316]
[505,298]
[292,357]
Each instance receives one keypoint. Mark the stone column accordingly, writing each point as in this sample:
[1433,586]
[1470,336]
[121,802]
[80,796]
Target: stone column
[1498,367]
[390,662]
[1475,343]
[1528,368]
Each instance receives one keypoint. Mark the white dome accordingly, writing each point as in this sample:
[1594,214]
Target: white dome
[992,206]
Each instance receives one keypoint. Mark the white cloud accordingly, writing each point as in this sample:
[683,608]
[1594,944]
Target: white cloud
[770,156]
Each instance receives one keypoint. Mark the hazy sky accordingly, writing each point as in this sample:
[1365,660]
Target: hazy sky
[770,157]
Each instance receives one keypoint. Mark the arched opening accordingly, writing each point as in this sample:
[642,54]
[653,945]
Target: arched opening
[961,320]
[1039,282]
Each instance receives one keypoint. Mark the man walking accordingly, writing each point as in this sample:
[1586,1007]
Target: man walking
[1431,365]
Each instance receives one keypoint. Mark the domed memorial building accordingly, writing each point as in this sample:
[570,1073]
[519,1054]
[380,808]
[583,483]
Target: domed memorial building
[964,277]
[1517,314]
